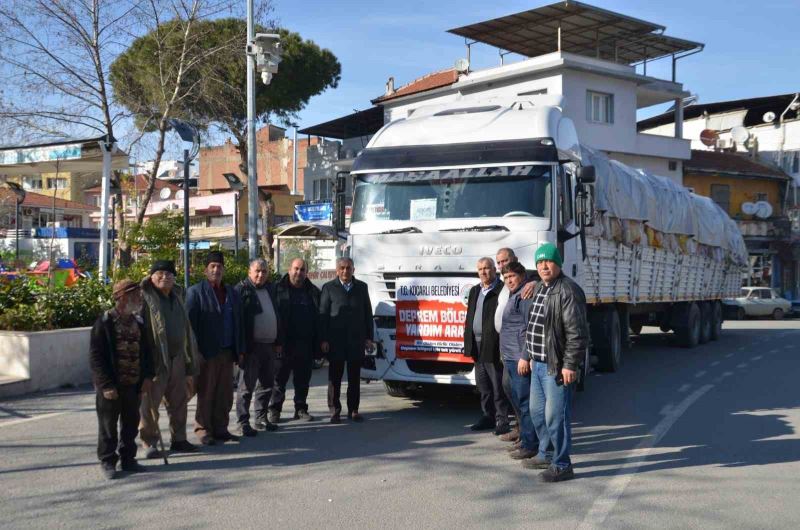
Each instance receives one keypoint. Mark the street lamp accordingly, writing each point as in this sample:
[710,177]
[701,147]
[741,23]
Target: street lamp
[188,133]
[236,185]
[19,199]
[114,189]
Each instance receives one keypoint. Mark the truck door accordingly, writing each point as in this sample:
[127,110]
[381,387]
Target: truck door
[565,216]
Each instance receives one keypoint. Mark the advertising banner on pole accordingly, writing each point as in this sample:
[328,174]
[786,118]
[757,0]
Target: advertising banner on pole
[430,318]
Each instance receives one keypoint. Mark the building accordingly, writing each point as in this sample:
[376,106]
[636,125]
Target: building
[754,195]
[134,189]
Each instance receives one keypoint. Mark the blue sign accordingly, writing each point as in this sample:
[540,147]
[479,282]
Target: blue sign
[309,213]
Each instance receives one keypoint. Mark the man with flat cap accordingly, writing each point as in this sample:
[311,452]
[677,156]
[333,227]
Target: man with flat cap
[172,342]
[215,311]
[121,368]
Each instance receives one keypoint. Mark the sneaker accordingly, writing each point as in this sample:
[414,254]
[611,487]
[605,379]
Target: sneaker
[554,474]
[226,437]
[510,436]
[207,439]
[109,471]
[356,417]
[536,463]
[336,419]
[522,454]
[133,467]
[263,425]
[483,424]
[502,428]
[274,417]
[248,431]
[303,415]
[152,453]
[183,446]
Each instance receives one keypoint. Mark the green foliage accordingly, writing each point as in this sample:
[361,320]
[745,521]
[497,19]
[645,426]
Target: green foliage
[20,291]
[159,237]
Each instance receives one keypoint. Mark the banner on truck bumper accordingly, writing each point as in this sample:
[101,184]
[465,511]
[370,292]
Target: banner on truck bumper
[430,318]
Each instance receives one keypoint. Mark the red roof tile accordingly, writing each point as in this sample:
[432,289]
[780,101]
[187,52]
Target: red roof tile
[738,163]
[423,84]
[37,200]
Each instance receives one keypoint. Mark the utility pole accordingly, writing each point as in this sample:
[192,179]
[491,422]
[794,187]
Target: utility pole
[252,176]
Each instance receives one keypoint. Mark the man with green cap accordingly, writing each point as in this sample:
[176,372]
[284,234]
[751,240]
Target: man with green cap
[556,340]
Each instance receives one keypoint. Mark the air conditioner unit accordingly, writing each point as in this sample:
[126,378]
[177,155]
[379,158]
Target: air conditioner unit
[724,143]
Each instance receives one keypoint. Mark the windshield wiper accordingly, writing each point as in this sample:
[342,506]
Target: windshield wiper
[404,230]
[478,228]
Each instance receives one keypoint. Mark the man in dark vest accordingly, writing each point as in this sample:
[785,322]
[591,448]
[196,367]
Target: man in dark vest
[215,312]
[482,343]
[346,330]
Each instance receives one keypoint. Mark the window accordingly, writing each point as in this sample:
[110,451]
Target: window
[721,194]
[565,196]
[762,197]
[766,294]
[322,189]
[32,183]
[672,165]
[599,107]
[57,183]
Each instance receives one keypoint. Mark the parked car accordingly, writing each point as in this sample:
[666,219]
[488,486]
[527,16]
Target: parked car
[758,302]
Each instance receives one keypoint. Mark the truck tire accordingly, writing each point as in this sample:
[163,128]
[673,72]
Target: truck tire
[706,321]
[396,389]
[604,326]
[688,332]
[716,320]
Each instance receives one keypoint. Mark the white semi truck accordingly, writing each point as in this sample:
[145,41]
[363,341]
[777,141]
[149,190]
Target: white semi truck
[449,184]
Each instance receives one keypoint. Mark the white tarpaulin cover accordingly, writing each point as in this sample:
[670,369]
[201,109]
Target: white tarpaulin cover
[635,194]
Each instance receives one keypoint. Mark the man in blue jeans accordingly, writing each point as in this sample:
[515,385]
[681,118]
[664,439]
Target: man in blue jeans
[515,357]
[557,336]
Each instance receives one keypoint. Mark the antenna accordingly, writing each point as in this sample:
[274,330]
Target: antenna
[763,209]
[164,194]
[462,66]
[768,116]
[709,137]
[740,134]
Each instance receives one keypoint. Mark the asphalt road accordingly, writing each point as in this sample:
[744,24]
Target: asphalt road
[703,438]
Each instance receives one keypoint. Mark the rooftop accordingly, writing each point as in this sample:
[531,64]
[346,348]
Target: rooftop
[361,123]
[423,84]
[139,183]
[731,163]
[37,200]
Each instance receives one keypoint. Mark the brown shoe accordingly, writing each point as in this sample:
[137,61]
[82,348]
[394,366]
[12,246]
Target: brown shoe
[522,454]
[535,463]
[513,447]
[511,436]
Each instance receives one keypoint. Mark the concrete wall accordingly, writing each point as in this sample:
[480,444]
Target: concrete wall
[48,359]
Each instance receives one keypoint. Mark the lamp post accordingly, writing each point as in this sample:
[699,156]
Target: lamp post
[114,189]
[19,199]
[236,185]
[188,133]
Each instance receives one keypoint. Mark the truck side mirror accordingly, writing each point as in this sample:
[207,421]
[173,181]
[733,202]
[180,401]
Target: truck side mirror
[584,205]
[586,175]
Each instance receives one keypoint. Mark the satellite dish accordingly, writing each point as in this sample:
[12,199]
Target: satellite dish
[740,134]
[768,117]
[462,65]
[164,194]
[763,209]
[179,195]
[709,137]
[749,208]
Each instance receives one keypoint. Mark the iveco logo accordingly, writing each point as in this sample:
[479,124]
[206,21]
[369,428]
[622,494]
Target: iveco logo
[440,250]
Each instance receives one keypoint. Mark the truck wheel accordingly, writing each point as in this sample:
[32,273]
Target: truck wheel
[607,339]
[705,322]
[688,332]
[716,320]
[396,389]
[777,314]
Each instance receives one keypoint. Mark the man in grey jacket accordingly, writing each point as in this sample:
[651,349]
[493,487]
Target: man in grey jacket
[557,336]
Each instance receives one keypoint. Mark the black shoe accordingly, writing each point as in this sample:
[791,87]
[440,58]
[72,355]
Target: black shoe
[260,425]
[109,472]
[535,463]
[553,474]
[226,437]
[183,446]
[355,417]
[248,431]
[151,453]
[303,415]
[336,419]
[483,424]
[501,429]
[274,417]
[133,467]
[522,454]
[207,440]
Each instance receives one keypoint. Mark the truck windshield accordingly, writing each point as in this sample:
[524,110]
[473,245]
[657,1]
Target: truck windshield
[453,193]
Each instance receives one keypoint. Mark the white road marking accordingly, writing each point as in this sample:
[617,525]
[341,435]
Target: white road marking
[684,387]
[715,363]
[729,356]
[757,358]
[666,409]
[34,418]
[741,365]
[608,499]
[700,374]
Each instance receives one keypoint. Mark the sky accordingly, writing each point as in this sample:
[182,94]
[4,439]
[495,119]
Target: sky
[752,48]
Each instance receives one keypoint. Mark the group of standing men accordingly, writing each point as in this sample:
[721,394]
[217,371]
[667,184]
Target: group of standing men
[528,339]
[155,345]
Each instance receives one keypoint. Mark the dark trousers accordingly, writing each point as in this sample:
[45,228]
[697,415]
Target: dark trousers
[494,403]
[258,368]
[507,382]
[214,395]
[335,373]
[123,414]
[300,363]
[521,394]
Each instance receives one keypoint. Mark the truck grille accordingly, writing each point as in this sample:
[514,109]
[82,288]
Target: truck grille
[439,367]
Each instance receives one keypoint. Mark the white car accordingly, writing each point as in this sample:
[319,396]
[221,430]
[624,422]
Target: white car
[759,302]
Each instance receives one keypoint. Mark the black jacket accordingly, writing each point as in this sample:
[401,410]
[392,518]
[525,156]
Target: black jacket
[103,354]
[283,299]
[206,318]
[251,306]
[345,319]
[490,340]
[566,328]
